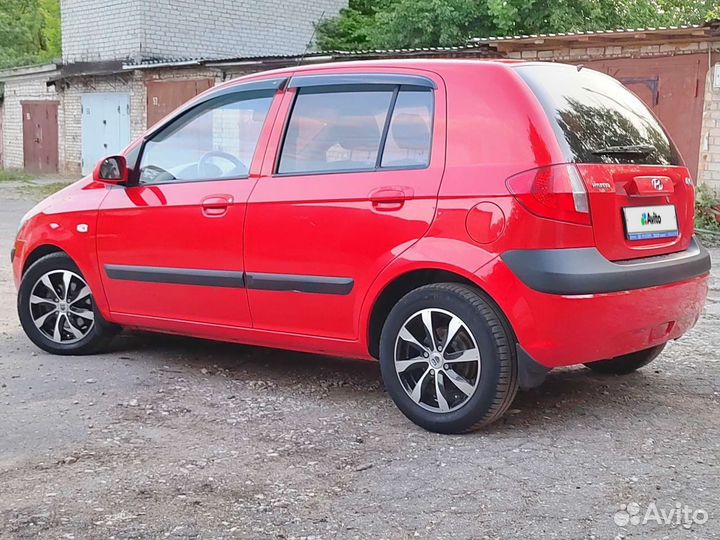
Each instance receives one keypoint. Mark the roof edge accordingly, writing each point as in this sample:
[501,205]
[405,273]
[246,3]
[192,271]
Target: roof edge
[25,71]
[710,29]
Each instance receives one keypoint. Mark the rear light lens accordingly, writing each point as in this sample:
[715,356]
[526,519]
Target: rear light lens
[556,192]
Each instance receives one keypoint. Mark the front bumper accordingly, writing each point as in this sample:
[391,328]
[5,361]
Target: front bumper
[567,324]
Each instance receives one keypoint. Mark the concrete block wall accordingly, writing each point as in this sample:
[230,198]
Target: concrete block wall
[95,30]
[29,88]
[709,166]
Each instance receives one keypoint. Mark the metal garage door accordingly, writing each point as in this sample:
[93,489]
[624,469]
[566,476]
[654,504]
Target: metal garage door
[163,97]
[105,126]
[40,136]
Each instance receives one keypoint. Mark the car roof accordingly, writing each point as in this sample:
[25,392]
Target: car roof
[431,64]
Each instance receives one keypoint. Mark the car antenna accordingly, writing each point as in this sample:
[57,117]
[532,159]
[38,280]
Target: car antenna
[580,66]
[312,36]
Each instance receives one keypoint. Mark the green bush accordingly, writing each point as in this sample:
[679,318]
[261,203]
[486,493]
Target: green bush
[706,209]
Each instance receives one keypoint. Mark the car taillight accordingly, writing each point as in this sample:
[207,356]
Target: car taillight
[555,192]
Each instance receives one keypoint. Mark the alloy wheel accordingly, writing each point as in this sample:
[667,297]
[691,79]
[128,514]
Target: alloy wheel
[61,307]
[437,360]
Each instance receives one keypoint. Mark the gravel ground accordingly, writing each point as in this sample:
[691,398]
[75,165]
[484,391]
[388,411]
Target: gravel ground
[166,437]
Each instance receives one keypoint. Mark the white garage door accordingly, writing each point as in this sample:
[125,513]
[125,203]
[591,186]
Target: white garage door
[105,128]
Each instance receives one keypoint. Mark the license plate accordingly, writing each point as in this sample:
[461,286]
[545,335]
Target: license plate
[646,222]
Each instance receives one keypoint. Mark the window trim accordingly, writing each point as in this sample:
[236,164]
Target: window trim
[353,79]
[334,83]
[271,86]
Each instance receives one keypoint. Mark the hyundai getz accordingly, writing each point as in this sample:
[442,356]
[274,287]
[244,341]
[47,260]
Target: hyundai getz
[470,224]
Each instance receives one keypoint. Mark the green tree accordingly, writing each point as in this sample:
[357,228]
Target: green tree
[349,29]
[423,23]
[50,10]
[29,31]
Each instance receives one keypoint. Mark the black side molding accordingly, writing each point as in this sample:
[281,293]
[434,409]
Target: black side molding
[586,271]
[181,276]
[306,284]
[222,278]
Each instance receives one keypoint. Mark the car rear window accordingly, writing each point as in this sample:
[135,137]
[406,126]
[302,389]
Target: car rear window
[597,119]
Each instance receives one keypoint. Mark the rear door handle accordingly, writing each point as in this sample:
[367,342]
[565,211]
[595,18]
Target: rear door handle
[390,197]
[216,205]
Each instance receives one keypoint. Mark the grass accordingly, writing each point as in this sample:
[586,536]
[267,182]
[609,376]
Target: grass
[44,190]
[14,175]
[48,189]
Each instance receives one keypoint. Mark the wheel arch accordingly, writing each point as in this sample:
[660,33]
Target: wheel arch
[400,285]
[38,253]
[85,261]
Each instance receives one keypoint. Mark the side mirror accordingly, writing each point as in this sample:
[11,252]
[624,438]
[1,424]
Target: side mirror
[111,170]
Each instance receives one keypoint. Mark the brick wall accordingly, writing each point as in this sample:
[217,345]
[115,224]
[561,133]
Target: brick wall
[100,30]
[595,52]
[17,90]
[709,168]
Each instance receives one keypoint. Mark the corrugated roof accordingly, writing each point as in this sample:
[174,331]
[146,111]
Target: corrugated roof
[711,26]
[477,49]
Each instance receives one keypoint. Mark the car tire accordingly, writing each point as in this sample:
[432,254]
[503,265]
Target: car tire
[475,372]
[622,365]
[57,309]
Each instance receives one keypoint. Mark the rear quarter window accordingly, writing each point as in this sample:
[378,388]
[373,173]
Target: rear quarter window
[597,119]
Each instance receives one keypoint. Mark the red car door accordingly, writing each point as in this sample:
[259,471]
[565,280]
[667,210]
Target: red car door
[349,181]
[170,245]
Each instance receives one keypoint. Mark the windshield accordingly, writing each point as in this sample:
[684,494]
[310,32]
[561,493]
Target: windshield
[597,119]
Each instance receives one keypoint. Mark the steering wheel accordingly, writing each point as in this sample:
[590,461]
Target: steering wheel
[152,174]
[239,168]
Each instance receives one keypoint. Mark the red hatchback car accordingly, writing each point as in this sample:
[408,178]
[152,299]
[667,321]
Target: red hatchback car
[471,224]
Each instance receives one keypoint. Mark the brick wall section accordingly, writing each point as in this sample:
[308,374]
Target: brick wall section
[709,166]
[577,54]
[100,29]
[96,30]
[29,88]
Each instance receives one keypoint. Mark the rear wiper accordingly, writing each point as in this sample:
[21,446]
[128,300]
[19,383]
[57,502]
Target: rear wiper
[636,149]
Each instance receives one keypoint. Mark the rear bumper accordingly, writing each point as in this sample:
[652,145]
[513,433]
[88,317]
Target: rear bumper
[561,329]
[586,271]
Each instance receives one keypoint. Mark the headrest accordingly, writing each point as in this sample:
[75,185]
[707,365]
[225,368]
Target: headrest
[357,133]
[411,131]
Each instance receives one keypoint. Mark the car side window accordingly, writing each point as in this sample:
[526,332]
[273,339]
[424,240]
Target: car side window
[408,139]
[216,140]
[335,130]
[357,128]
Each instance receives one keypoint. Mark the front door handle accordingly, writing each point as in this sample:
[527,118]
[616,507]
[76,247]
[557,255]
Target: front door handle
[390,197]
[216,205]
